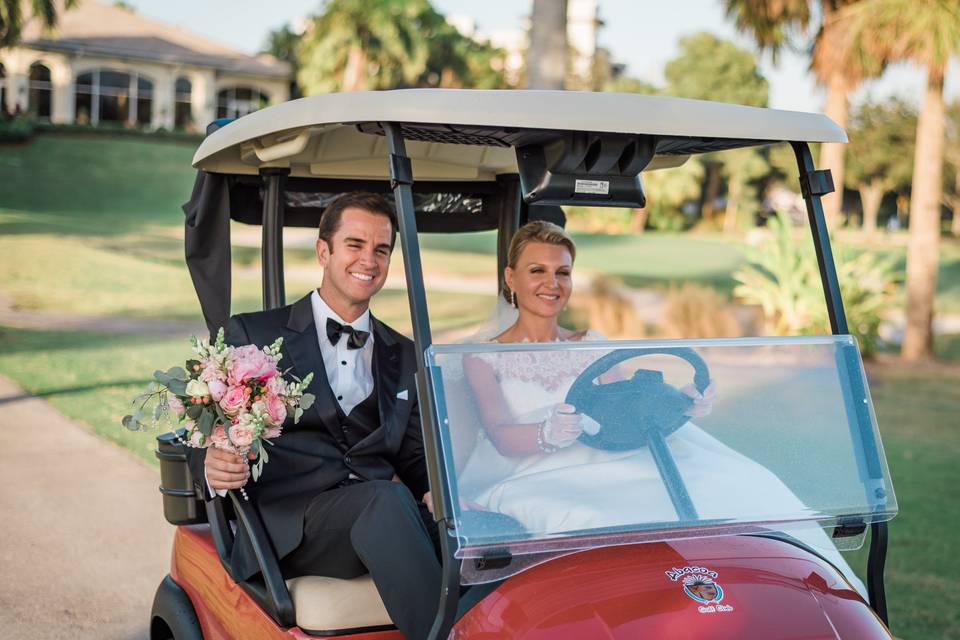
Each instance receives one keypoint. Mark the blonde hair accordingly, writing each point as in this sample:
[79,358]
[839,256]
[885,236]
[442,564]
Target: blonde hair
[537,231]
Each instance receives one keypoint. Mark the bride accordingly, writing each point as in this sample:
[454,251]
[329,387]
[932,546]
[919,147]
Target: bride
[528,463]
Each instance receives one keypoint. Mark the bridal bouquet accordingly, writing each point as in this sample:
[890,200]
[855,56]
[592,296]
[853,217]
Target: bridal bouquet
[231,398]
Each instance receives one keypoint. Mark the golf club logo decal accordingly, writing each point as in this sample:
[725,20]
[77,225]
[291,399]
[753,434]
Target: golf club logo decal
[700,584]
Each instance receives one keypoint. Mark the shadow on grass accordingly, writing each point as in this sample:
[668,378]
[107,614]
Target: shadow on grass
[22,341]
[140,382]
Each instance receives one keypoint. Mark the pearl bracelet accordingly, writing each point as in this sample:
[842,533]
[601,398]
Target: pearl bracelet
[545,446]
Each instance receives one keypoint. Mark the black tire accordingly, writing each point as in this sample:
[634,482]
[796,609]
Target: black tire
[172,616]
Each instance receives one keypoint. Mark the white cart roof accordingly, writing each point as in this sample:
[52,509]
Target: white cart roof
[468,135]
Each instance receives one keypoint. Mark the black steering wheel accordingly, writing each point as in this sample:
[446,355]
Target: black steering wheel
[631,411]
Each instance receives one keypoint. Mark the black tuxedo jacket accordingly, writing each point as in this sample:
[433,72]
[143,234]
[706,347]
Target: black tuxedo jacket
[308,458]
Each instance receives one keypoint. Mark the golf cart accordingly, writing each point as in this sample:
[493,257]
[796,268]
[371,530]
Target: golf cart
[726,528]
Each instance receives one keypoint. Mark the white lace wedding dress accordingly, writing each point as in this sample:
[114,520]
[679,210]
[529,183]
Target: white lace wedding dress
[580,487]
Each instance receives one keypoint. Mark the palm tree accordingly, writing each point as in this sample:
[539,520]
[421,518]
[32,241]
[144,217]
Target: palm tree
[363,44]
[12,17]
[839,68]
[547,54]
[926,32]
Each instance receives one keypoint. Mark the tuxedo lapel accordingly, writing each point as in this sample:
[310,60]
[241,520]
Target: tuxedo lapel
[386,369]
[304,351]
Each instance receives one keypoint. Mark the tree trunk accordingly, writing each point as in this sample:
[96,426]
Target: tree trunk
[355,73]
[640,219]
[955,224]
[547,55]
[713,170]
[923,247]
[871,195]
[733,204]
[831,154]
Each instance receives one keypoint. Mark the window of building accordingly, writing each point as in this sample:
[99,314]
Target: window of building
[182,112]
[236,102]
[3,91]
[105,95]
[41,92]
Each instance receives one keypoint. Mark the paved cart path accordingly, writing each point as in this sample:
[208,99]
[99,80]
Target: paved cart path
[83,542]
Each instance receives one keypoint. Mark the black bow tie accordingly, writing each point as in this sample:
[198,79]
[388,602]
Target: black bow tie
[356,338]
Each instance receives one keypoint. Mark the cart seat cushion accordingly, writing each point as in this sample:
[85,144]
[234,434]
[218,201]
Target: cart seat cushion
[328,604]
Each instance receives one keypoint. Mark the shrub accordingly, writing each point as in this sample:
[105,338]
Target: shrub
[784,280]
[606,308]
[16,130]
[696,311]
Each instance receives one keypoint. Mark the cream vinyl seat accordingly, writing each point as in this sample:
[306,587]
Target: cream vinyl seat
[331,604]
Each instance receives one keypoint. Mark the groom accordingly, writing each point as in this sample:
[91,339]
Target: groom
[326,495]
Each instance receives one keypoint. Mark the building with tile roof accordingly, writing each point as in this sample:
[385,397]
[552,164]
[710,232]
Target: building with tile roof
[106,64]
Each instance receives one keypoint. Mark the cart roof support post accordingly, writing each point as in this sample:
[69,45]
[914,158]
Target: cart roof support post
[401,182]
[272,237]
[813,184]
[509,213]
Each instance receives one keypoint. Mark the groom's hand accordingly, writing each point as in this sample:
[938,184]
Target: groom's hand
[225,470]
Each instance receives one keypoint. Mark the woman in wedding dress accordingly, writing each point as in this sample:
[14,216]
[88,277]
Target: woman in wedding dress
[528,463]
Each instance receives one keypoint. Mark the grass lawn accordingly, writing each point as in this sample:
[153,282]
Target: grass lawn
[917,413]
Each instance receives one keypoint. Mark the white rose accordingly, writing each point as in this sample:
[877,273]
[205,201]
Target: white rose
[197,389]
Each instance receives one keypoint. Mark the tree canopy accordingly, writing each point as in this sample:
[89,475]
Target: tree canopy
[284,44]
[356,45]
[881,144]
[12,17]
[709,68]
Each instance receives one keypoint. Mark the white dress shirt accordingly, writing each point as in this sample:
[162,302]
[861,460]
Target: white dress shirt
[349,371]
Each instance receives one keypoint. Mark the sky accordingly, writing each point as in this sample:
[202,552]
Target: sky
[643,34]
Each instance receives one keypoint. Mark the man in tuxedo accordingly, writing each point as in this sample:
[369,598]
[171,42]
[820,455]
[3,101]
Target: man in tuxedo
[326,495]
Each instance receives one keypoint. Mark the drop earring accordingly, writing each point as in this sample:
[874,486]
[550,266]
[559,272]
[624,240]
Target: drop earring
[513,298]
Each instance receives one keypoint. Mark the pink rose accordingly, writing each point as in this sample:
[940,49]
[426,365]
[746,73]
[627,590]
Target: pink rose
[217,388]
[211,371]
[196,439]
[233,401]
[242,436]
[272,432]
[276,386]
[175,405]
[276,410]
[218,437]
[249,363]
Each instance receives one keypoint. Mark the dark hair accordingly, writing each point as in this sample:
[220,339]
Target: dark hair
[372,202]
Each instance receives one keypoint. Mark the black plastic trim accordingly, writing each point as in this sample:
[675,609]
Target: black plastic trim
[276,600]
[809,180]
[172,605]
[272,243]
[347,632]
[416,292]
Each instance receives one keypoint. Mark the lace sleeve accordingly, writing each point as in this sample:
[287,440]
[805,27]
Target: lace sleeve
[591,336]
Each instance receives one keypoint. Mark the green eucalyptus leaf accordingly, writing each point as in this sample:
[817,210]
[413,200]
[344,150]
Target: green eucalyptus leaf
[177,373]
[194,411]
[306,401]
[205,422]
[130,423]
[158,411]
[297,414]
[178,387]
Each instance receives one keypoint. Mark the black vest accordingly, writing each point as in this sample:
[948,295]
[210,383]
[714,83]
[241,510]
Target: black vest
[363,420]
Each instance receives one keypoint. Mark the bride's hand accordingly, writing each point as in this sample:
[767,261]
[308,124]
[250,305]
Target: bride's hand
[702,402]
[563,426]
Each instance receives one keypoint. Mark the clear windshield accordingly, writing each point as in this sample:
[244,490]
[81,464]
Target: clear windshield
[663,440]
